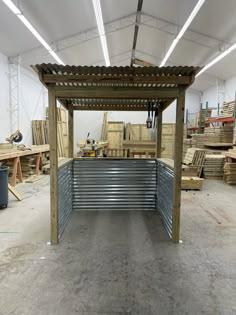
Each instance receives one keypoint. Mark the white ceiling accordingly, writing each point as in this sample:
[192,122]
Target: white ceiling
[70,26]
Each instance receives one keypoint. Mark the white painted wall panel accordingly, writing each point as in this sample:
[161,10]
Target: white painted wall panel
[33,98]
[4,99]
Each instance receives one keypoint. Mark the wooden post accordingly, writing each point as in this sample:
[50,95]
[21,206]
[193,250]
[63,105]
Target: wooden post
[159,134]
[71,130]
[234,134]
[179,128]
[53,162]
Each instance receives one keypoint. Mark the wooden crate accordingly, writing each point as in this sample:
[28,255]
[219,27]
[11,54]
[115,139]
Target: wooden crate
[115,137]
[140,132]
[168,140]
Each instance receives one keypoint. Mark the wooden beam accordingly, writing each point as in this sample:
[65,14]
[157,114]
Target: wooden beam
[53,162]
[115,92]
[179,129]
[14,192]
[159,134]
[143,63]
[108,108]
[71,130]
[75,78]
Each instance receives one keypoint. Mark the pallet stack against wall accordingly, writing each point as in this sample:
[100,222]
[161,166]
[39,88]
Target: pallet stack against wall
[213,166]
[115,138]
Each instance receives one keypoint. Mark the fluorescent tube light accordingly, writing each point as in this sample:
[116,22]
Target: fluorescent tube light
[218,58]
[101,30]
[182,31]
[30,27]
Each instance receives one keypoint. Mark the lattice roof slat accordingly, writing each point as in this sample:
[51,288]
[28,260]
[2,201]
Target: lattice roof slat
[116,88]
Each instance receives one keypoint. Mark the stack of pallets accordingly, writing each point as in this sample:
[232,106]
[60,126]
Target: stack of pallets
[230,173]
[213,166]
[228,109]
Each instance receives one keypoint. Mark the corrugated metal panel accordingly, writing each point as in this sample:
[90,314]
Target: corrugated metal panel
[165,186]
[65,195]
[114,184]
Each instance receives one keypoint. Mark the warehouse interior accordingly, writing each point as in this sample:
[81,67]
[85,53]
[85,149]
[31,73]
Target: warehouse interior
[117,157]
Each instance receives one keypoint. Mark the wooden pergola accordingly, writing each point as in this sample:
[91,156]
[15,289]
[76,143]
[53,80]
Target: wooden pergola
[115,89]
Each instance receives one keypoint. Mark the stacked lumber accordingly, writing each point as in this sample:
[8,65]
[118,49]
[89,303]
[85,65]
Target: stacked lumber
[40,132]
[230,173]
[222,134]
[115,137]
[228,109]
[213,167]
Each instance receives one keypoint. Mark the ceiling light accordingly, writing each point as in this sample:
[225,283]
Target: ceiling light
[101,31]
[218,58]
[30,27]
[182,31]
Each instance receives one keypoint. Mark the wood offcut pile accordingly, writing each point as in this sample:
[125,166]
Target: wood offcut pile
[213,166]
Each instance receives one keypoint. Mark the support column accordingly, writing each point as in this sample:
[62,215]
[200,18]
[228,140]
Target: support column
[53,162]
[159,134]
[179,128]
[71,130]
[234,135]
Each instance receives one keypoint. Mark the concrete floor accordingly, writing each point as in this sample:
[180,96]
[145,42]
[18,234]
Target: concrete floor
[119,262]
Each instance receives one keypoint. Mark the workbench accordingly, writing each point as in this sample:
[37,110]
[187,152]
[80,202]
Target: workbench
[15,155]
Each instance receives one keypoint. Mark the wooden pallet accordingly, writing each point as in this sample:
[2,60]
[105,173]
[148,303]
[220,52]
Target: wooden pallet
[115,137]
[191,183]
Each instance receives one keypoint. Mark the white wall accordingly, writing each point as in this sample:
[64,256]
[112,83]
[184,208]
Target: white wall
[88,121]
[4,99]
[33,99]
[230,89]
[223,92]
